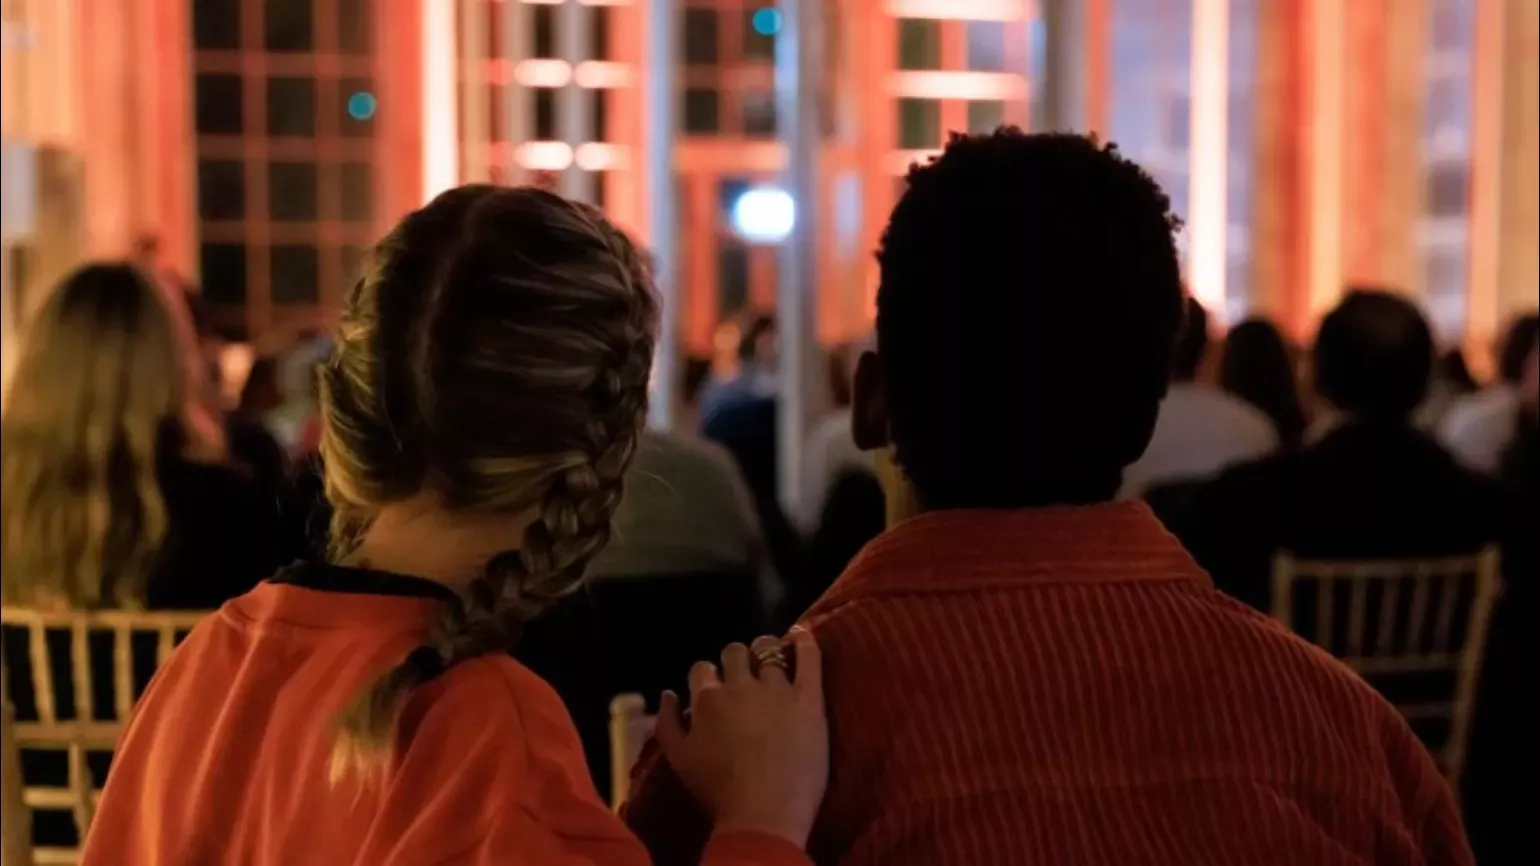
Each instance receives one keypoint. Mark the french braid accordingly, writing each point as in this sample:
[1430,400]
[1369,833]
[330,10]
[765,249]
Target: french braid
[535,322]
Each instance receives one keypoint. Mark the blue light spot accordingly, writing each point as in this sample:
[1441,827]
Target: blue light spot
[767,21]
[362,105]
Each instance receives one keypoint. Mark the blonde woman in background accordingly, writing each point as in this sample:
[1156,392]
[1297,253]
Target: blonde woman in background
[480,410]
[115,489]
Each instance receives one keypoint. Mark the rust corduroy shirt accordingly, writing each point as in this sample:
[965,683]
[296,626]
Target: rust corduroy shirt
[225,760]
[1064,687]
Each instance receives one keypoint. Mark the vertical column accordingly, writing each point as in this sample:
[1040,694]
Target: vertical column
[1064,68]
[440,126]
[516,42]
[472,84]
[398,140]
[1503,253]
[798,65]
[1403,189]
[1277,239]
[1209,154]
[1324,181]
[660,96]
[573,118]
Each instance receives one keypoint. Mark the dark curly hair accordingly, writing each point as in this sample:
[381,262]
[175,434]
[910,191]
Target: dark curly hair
[1374,355]
[1029,304]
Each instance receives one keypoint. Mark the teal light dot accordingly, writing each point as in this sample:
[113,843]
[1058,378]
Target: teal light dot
[362,105]
[767,21]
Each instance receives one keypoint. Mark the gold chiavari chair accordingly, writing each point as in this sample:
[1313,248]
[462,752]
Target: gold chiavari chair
[88,729]
[15,819]
[630,728]
[1399,618]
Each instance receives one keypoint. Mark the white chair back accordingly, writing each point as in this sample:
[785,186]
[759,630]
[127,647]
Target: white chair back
[630,729]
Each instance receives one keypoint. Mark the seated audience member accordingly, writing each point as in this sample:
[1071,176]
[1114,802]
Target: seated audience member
[251,443]
[1027,671]
[1257,365]
[746,426]
[482,406]
[757,377]
[112,497]
[1498,791]
[853,514]
[1201,429]
[831,455]
[1477,429]
[1452,382]
[1366,484]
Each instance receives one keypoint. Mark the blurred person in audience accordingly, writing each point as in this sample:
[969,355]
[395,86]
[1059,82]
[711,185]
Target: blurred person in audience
[757,376]
[251,442]
[481,408]
[831,453]
[1257,365]
[1498,791]
[1367,483]
[1478,428]
[113,496]
[1029,671]
[1452,382]
[1201,428]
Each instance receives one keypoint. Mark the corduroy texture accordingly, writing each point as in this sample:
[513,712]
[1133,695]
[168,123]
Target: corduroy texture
[1064,686]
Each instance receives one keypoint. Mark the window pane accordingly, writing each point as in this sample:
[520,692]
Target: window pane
[545,114]
[218,110]
[217,23]
[919,43]
[919,123]
[986,46]
[700,112]
[357,192]
[985,115]
[599,48]
[757,45]
[759,114]
[296,274]
[291,106]
[358,117]
[223,269]
[544,24]
[292,191]
[700,36]
[353,26]
[221,190]
[288,25]
[1447,187]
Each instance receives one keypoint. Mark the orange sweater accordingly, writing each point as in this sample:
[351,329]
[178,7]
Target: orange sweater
[225,759]
[1065,687]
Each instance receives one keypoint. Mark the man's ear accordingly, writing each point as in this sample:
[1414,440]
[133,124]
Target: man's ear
[869,404]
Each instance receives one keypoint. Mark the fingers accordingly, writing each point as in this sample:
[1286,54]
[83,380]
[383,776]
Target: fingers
[670,729]
[735,665]
[809,660]
[703,676]
[769,673]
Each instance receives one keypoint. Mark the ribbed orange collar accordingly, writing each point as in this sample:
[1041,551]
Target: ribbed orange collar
[957,551]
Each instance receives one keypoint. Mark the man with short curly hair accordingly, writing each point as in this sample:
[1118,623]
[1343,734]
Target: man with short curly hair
[1028,672]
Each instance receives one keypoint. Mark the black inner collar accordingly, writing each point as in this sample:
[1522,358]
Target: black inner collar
[342,578]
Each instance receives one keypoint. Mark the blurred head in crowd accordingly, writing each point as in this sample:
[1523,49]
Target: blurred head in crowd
[1258,366]
[1028,308]
[481,405]
[1517,345]
[1374,355]
[262,392]
[1191,343]
[1451,370]
[98,396]
[757,348]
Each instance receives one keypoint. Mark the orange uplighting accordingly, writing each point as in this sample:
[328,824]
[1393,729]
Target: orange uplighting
[958,10]
[598,156]
[1207,217]
[543,73]
[440,145]
[545,155]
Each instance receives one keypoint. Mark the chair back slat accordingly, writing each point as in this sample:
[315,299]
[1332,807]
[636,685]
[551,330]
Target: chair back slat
[630,728]
[85,732]
[1444,593]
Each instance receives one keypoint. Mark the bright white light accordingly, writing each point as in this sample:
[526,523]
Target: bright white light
[764,215]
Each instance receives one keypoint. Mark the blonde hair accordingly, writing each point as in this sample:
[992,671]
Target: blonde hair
[94,403]
[496,355]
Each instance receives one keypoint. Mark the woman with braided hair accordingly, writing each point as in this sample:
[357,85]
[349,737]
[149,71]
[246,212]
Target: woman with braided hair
[480,408]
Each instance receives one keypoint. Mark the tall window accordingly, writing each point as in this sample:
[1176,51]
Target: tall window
[1150,91]
[1447,118]
[1242,142]
[285,113]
